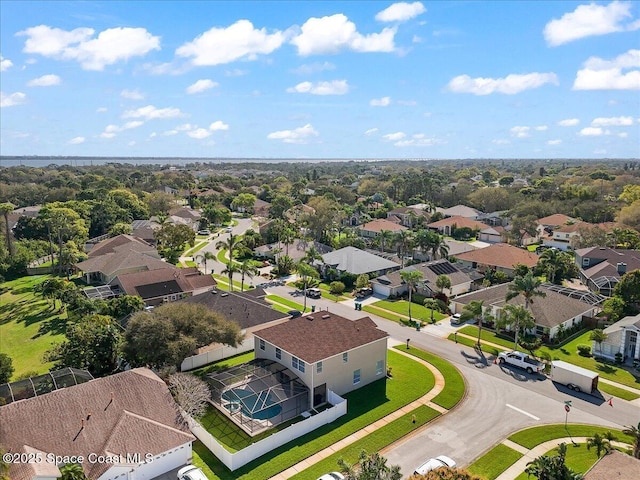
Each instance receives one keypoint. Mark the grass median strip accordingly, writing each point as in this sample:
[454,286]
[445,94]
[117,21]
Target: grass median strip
[494,462]
[531,437]
[469,342]
[286,302]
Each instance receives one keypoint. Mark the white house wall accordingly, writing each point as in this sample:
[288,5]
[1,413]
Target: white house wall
[162,463]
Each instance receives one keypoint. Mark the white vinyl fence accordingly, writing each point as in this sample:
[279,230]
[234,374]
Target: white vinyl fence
[223,351]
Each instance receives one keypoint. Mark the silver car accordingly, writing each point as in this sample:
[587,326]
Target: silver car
[434,463]
[191,472]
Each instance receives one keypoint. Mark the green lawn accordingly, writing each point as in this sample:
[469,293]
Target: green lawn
[568,353]
[531,437]
[29,325]
[469,342]
[365,405]
[224,364]
[277,300]
[418,312]
[191,252]
[454,387]
[578,459]
[494,462]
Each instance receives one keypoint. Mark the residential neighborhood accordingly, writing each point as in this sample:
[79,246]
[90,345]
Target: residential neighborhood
[198,326]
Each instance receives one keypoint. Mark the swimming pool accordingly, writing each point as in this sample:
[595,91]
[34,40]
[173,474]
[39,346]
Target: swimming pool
[259,406]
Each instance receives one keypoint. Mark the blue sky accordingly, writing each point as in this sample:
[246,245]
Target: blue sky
[446,79]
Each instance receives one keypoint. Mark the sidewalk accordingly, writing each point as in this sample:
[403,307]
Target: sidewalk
[531,454]
[360,434]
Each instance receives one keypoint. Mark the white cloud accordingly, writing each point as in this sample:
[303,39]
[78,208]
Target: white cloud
[218,125]
[380,102]
[592,132]
[132,124]
[300,135]
[589,20]
[418,140]
[335,33]
[201,86]
[93,53]
[509,85]
[45,81]
[371,131]
[107,135]
[401,12]
[612,122]
[623,134]
[416,39]
[184,127]
[77,140]
[101,109]
[5,64]
[554,142]
[501,141]
[17,98]
[520,132]
[132,94]
[541,128]
[236,72]
[408,103]
[150,112]
[316,67]
[225,45]
[199,133]
[599,74]
[111,130]
[569,122]
[394,136]
[334,87]
[170,132]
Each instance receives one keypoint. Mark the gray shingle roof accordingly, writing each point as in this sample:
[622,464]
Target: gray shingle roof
[356,261]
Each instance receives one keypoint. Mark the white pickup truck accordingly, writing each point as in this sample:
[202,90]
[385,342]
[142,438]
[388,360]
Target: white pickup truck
[521,360]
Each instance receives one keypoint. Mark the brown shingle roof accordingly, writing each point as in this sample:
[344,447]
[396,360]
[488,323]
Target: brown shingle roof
[112,263]
[187,279]
[382,224]
[615,466]
[500,255]
[117,244]
[555,220]
[321,335]
[129,412]
[459,222]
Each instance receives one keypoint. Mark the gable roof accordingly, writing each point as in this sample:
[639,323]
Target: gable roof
[614,465]
[461,211]
[356,261]
[112,263]
[430,272]
[166,281]
[121,243]
[548,311]
[459,222]
[126,413]
[247,309]
[321,335]
[500,255]
[382,224]
[555,220]
[624,322]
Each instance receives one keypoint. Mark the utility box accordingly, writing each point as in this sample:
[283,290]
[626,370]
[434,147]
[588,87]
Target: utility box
[575,378]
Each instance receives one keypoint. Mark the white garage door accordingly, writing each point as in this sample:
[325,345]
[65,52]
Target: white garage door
[383,290]
[163,463]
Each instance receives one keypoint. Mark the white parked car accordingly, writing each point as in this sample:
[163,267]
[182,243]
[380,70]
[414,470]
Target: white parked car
[191,472]
[332,476]
[434,463]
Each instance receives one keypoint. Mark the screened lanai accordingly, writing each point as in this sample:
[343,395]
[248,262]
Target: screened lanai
[259,394]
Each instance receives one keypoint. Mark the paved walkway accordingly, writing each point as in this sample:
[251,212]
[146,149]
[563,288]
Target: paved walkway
[360,434]
[531,454]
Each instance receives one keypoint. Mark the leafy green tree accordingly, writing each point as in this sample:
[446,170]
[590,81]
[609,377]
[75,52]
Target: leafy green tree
[91,344]
[336,287]
[244,202]
[473,311]
[598,336]
[325,217]
[634,432]
[6,368]
[216,215]
[120,229]
[5,209]
[284,265]
[362,281]
[64,225]
[411,278]
[446,473]
[128,201]
[369,467]
[169,333]
[628,288]
[120,307]
[72,471]
[557,266]
[159,203]
[518,317]
[280,204]
[613,308]
[442,282]
[173,238]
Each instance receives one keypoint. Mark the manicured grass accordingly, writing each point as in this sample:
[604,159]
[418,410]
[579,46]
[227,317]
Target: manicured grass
[326,293]
[617,392]
[287,303]
[223,283]
[469,342]
[494,462]
[371,443]
[578,458]
[531,437]
[29,325]
[568,353]
[454,386]
[224,364]
[191,252]
[418,312]
[382,313]
[365,405]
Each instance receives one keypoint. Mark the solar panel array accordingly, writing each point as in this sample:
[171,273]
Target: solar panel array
[444,268]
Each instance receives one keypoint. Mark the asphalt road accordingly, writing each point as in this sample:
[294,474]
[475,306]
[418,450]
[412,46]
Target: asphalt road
[499,400]
[213,266]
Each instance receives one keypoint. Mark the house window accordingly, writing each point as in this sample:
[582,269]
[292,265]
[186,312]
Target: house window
[261,344]
[319,367]
[539,330]
[585,262]
[356,377]
[297,364]
[379,366]
[278,353]
[345,357]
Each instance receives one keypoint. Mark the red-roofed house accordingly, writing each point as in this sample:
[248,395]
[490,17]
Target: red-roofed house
[446,226]
[372,229]
[499,257]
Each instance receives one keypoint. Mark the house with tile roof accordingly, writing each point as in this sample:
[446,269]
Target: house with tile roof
[602,267]
[407,215]
[327,352]
[373,228]
[499,257]
[460,211]
[123,426]
[164,285]
[546,225]
[549,313]
[492,235]
[355,261]
[391,284]
[446,226]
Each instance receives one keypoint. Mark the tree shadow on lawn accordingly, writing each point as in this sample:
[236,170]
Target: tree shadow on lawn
[53,325]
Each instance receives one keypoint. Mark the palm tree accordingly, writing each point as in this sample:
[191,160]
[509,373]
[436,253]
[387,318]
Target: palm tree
[552,468]
[72,471]
[230,244]
[384,236]
[5,208]
[517,316]
[230,269]
[432,304]
[247,268]
[312,254]
[372,466]
[600,443]
[634,432]
[203,257]
[598,336]
[527,286]
[473,311]
[548,263]
[439,246]
[404,240]
[307,273]
[442,282]
[411,278]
